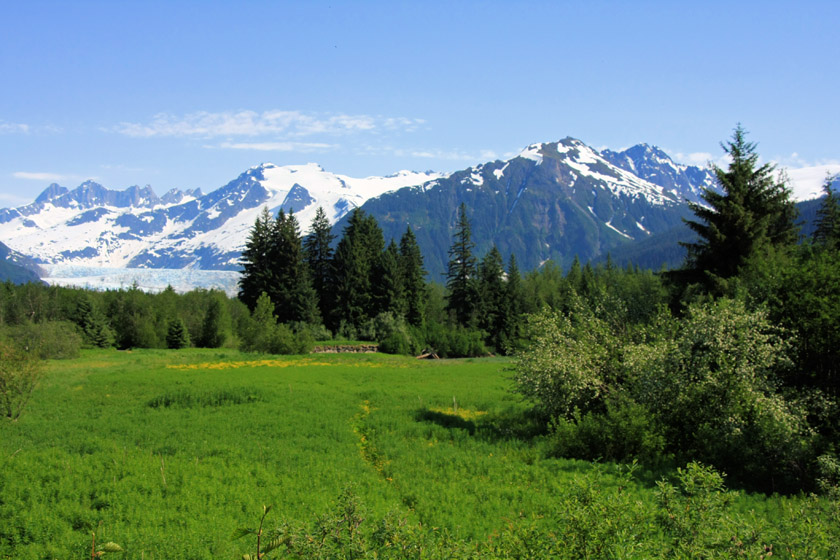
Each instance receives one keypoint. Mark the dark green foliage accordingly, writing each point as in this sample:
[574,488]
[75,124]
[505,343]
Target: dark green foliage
[355,265]
[93,325]
[827,232]
[492,300]
[213,328]
[806,299]
[273,262]
[461,273]
[753,211]
[318,253]
[257,266]
[177,336]
[413,274]
[624,431]
[133,319]
[389,293]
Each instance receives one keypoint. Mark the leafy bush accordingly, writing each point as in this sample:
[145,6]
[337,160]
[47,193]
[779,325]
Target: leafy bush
[714,386]
[48,340]
[454,342]
[709,383]
[625,431]
[568,365]
[20,372]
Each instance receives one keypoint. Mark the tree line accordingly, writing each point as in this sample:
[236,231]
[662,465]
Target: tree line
[732,362]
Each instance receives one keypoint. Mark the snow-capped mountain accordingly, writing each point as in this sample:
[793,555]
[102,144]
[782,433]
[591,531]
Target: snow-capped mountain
[92,226]
[554,200]
[653,165]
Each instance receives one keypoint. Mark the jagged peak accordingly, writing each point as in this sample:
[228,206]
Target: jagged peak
[53,191]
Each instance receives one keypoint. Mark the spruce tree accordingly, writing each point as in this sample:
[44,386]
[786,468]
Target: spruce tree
[291,290]
[461,272]
[354,265]
[317,248]
[827,232]
[177,336]
[491,296]
[257,273]
[413,274]
[752,212]
[213,333]
[388,282]
[514,307]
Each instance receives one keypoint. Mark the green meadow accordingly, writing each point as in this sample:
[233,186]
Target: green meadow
[167,453]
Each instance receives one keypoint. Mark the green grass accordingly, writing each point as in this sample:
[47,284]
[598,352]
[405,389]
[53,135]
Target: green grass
[168,452]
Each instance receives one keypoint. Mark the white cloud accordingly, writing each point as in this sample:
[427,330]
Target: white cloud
[204,124]
[14,128]
[276,146]
[700,159]
[807,182]
[38,176]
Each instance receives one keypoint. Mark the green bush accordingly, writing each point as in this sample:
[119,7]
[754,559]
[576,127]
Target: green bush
[55,340]
[454,342]
[20,372]
[625,431]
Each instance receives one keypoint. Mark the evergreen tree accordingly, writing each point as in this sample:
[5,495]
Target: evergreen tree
[491,292]
[177,336]
[388,282]
[752,213]
[354,263]
[291,291]
[514,308]
[827,232]
[257,273]
[317,248]
[461,272]
[212,333]
[413,273]
[93,325]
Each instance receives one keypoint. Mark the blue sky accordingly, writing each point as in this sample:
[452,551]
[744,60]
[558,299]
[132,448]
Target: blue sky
[190,94]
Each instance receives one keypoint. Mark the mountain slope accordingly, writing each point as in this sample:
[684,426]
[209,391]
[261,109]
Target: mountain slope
[95,226]
[553,201]
[16,268]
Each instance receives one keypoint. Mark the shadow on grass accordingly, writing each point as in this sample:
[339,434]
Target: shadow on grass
[504,426]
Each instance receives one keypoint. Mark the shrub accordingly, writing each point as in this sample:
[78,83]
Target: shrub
[625,431]
[714,387]
[454,342]
[20,372]
[48,340]
[568,365]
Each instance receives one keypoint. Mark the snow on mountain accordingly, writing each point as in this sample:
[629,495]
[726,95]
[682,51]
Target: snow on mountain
[655,166]
[92,226]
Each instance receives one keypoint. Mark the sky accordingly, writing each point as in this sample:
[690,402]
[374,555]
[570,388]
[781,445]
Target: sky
[182,94]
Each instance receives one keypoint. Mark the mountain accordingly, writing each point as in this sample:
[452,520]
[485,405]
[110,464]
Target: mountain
[552,201]
[92,226]
[653,165]
[16,268]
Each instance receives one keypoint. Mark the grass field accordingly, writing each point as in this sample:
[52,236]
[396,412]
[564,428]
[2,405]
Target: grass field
[167,453]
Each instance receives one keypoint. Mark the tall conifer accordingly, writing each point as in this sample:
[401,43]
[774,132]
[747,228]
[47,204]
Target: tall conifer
[752,211]
[461,272]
